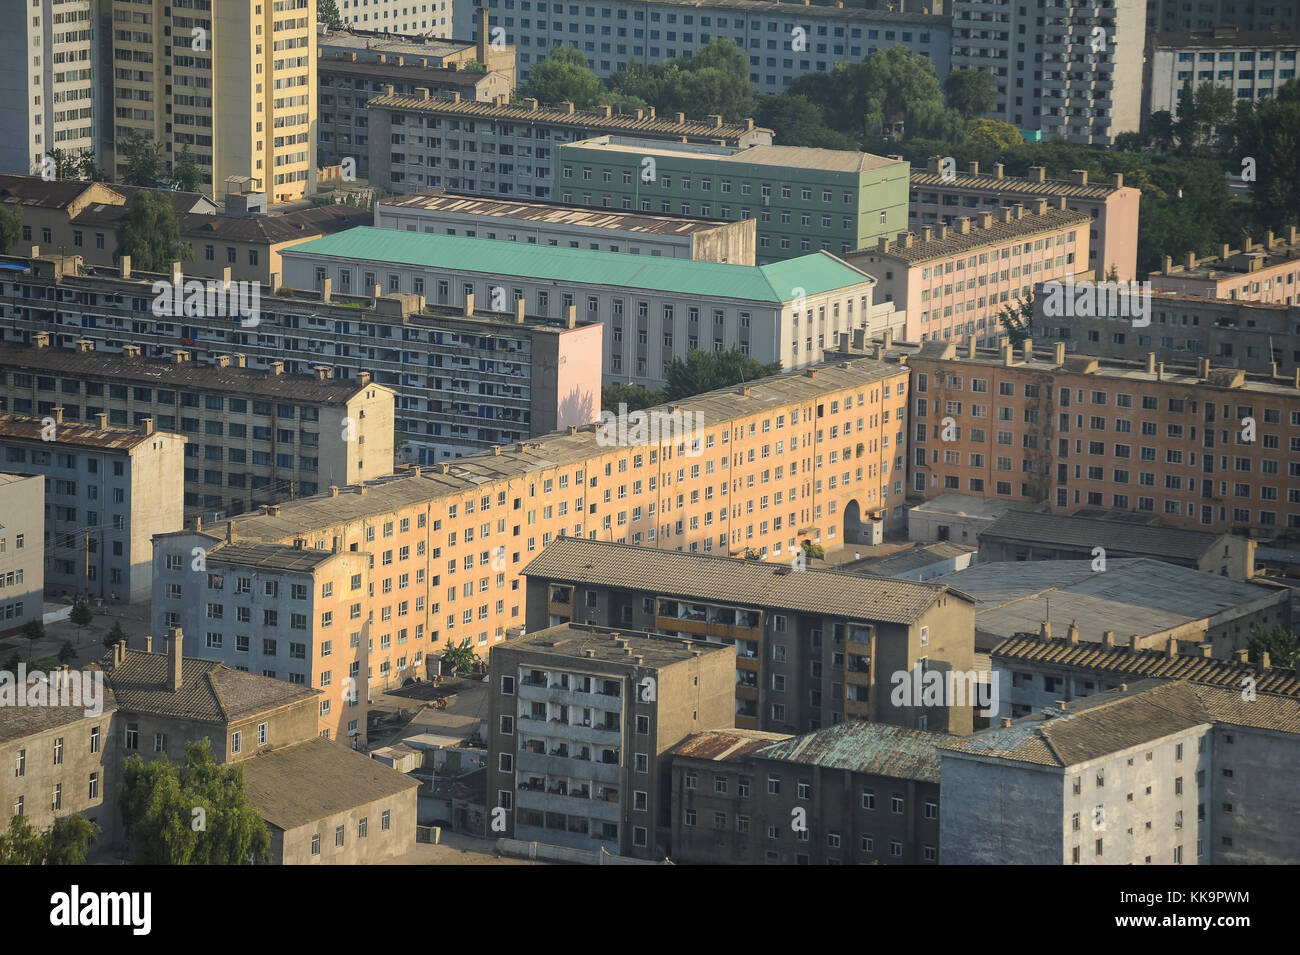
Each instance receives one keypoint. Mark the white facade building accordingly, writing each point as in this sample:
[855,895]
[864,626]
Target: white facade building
[1254,65]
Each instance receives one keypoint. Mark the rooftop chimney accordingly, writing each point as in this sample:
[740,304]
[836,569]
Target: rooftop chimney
[1171,648]
[519,311]
[1073,633]
[469,304]
[1045,630]
[1006,721]
[148,643]
[125,267]
[1037,173]
[998,172]
[1060,353]
[1108,639]
[230,532]
[1079,177]
[276,367]
[174,641]
[363,378]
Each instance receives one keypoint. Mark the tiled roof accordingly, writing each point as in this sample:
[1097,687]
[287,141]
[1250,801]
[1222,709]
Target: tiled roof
[876,749]
[17,722]
[751,583]
[210,691]
[71,434]
[35,191]
[722,745]
[1123,661]
[288,227]
[995,233]
[774,284]
[1120,536]
[302,783]
[1013,185]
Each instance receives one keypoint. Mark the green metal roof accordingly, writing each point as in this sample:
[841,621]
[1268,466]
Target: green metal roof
[778,282]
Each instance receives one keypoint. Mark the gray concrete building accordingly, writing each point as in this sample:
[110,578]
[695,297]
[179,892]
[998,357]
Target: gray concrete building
[254,437]
[567,226]
[809,648]
[1152,773]
[579,721]
[22,550]
[959,518]
[1253,64]
[1186,15]
[108,490]
[858,793]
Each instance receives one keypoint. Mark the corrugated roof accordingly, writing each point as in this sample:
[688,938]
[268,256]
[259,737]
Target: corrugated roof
[210,691]
[1061,654]
[911,559]
[995,233]
[722,745]
[300,784]
[776,283]
[1011,186]
[876,749]
[71,434]
[708,577]
[1070,531]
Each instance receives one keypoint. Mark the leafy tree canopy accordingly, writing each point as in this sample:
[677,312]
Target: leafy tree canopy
[706,370]
[151,235]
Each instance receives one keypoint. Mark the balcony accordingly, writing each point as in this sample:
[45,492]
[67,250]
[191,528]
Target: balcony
[570,731]
[606,811]
[568,766]
[558,694]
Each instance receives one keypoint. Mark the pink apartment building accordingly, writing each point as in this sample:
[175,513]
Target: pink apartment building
[953,282]
[1113,207]
[1267,271]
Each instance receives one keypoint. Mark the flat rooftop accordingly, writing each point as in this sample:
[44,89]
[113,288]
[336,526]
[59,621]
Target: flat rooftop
[550,213]
[747,583]
[1133,595]
[1137,537]
[1222,38]
[789,157]
[967,505]
[607,645]
[913,558]
[370,42]
[774,284]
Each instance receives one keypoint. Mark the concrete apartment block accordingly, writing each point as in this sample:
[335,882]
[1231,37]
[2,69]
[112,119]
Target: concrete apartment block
[933,276]
[567,226]
[1034,427]
[864,793]
[394,16]
[290,613]
[1054,788]
[653,309]
[1112,239]
[803,199]
[527,375]
[1256,337]
[579,720]
[1076,74]
[475,522]
[1179,15]
[811,648]
[1253,64]
[22,550]
[107,491]
[1257,272]
[257,436]
[420,141]
[618,33]
[51,101]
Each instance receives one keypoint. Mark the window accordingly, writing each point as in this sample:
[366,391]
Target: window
[236,742]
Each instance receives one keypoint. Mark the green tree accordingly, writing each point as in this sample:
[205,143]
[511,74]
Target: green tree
[473,65]
[151,235]
[66,652]
[327,12]
[161,802]
[813,550]
[186,173]
[144,165]
[67,165]
[891,92]
[33,630]
[752,554]
[115,634]
[563,76]
[1203,113]
[706,370]
[1017,320]
[21,844]
[994,135]
[972,93]
[81,615]
[64,843]
[1280,644]
[795,120]
[11,228]
[635,397]
[458,658]
[89,169]
[1268,133]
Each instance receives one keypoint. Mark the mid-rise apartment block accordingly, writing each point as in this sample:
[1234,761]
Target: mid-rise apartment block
[1257,337]
[355,66]
[571,227]
[1071,69]
[803,199]
[781,43]
[1077,431]
[254,437]
[1112,238]
[108,490]
[22,551]
[857,793]
[1187,15]
[47,71]
[285,612]
[653,309]
[953,283]
[501,148]
[812,647]
[1253,64]
[397,16]
[466,528]
[236,84]
[1151,773]
[466,378]
[580,719]
[1257,272]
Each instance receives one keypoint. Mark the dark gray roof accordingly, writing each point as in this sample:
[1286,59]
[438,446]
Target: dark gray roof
[1116,536]
[18,722]
[299,784]
[752,583]
[609,645]
[911,559]
[876,749]
[210,691]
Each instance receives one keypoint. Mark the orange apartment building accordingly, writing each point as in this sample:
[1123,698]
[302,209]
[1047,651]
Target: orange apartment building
[1113,208]
[1077,431]
[1267,271]
[953,282]
[815,456]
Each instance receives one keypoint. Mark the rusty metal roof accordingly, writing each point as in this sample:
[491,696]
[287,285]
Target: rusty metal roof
[70,434]
[721,745]
[876,749]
